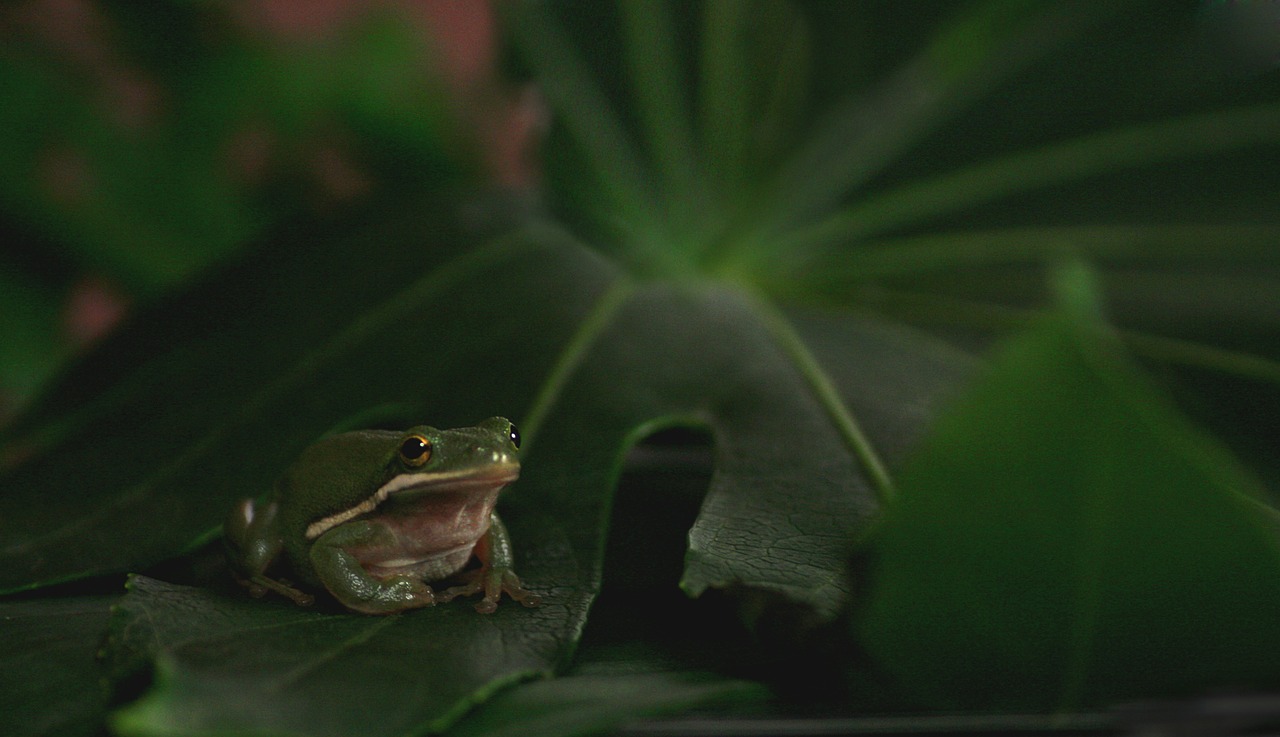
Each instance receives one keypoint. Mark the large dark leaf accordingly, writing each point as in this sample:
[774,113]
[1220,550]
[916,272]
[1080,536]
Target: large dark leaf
[596,700]
[228,663]
[681,355]
[181,435]
[661,354]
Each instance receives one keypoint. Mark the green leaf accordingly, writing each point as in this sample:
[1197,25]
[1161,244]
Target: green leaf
[1064,537]
[662,353]
[600,700]
[295,375]
[51,680]
[608,171]
[969,52]
[654,66]
[229,663]
[1205,134]
[778,514]
[573,457]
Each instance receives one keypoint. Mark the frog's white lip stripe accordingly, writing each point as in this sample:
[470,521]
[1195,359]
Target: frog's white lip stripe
[406,481]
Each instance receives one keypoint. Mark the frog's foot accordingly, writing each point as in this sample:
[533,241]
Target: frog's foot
[258,586]
[386,596]
[493,582]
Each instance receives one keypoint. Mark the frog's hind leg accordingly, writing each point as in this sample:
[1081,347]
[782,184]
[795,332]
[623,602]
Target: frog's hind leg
[355,587]
[251,548]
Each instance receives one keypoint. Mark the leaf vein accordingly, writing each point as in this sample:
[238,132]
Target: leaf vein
[572,354]
[295,674]
[828,396]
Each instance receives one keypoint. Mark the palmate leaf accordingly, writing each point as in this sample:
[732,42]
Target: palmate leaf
[707,271]
[778,516]
[773,520]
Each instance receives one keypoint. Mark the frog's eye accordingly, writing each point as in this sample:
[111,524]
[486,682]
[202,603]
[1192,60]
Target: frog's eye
[514,434]
[415,451]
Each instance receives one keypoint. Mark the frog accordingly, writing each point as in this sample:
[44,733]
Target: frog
[375,517]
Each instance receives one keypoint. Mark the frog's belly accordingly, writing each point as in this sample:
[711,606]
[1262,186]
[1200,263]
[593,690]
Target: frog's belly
[429,568]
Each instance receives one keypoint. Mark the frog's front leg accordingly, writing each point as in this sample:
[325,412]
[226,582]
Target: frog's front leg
[352,585]
[495,574]
[253,541]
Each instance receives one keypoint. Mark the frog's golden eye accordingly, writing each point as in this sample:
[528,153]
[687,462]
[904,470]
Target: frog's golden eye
[514,434]
[415,451]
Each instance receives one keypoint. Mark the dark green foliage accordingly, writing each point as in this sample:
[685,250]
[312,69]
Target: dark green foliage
[786,229]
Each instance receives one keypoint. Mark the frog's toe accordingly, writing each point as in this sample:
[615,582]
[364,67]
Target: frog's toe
[472,583]
[526,598]
[516,590]
[493,584]
[258,585]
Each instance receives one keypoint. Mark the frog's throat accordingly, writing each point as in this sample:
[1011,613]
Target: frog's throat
[465,480]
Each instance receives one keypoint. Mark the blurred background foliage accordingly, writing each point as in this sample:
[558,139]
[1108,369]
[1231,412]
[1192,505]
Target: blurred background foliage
[144,142]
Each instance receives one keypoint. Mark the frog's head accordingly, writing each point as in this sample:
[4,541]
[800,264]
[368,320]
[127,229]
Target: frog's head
[467,463]
[426,459]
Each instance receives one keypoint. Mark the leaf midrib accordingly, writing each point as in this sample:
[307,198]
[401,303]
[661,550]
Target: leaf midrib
[571,355]
[298,672]
[824,390]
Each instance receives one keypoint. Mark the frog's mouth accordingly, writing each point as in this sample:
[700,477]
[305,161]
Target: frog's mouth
[408,485]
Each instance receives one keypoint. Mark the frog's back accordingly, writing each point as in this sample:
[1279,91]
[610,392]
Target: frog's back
[330,477]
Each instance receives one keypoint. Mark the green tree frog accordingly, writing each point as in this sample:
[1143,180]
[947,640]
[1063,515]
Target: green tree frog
[373,516]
